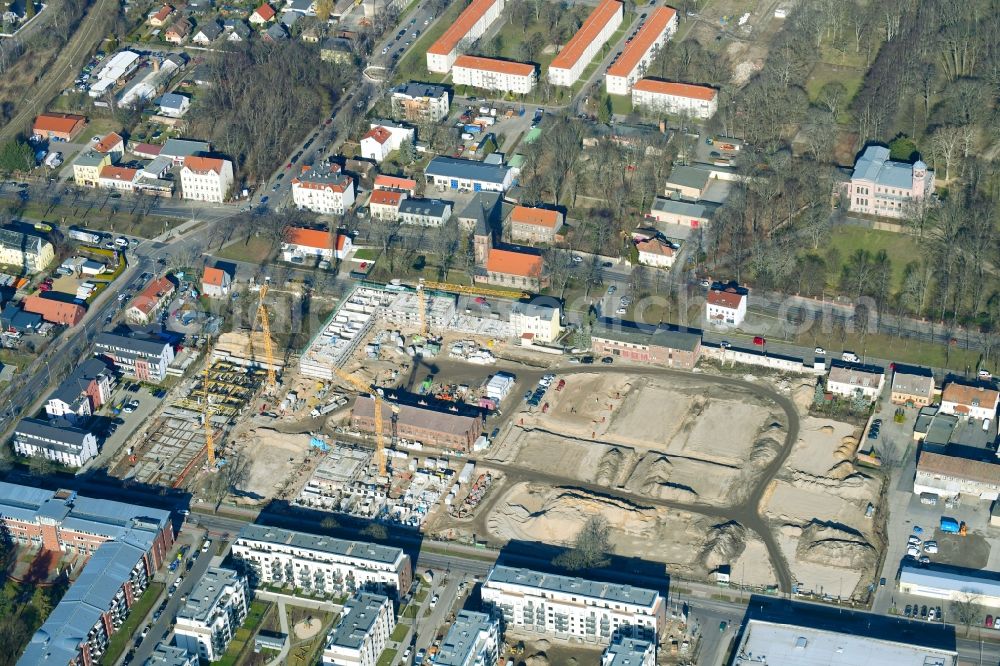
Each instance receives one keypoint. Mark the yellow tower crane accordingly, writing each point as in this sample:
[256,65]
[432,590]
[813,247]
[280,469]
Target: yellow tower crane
[206,410]
[379,426]
[265,325]
[458,289]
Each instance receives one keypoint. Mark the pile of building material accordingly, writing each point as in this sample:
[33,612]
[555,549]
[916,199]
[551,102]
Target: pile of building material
[470,351]
[246,349]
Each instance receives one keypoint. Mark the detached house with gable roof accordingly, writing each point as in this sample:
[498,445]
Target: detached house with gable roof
[726,307]
[215,282]
[847,380]
[656,252]
[82,393]
[301,243]
[384,204]
[883,187]
[383,138]
[206,178]
[975,402]
[323,189]
[262,14]
[518,270]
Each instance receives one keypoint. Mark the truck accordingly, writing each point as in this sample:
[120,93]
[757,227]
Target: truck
[327,408]
[950,525]
[85,236]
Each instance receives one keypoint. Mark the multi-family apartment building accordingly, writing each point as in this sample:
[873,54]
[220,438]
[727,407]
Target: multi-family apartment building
[539,321]
[206,179]
[171,655]
[419,102]
[61,443]
[383,138]
[639,54]
[87,167]
[977,402]
[534,225]
[154,296]
[384,204]
[144,359]
[324,189]
[214,610]
[323,564]
[27,251]
[83,392]
[424,212]
[682,99]
[566,607]
[655,344]
[362,632]
[574,57]
[471,24]
[472,640]
[629,651]
[848,380]
[494,74]
[726,307]
[950,476]
[125,544]
[881,186]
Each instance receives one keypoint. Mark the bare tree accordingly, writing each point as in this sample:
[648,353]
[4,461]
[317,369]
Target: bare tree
[967,609]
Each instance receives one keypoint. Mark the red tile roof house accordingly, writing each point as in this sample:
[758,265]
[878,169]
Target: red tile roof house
[655,252]
[534,225]
[159,18]
[56,312]
[384,204]
[178,32]
[396,183]
[216,283]
[262,14]
[145,305]
[58,126]
[726,307]
[300,243]
[517,270]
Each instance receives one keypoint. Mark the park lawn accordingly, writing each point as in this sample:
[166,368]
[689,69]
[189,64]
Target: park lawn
[621,105]
[137,615]
[400,632]
[850,77]
[413,65]
[387,658]
[901,248]
[121,221]
[255,616]
[411,611]
[256,251]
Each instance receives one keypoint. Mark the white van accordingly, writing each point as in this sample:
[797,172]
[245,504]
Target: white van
[850,357]
[986,425]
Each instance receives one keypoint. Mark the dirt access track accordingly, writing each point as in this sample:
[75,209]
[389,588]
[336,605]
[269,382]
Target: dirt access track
[729,471]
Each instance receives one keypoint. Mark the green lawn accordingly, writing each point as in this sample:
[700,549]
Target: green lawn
[367,254]
[901,248]
[902,350]
[387,658]
[621,104]
[413,65]
[257,251]
[258,610]
[823,73]
[120,639]
[411,611]
[400,632]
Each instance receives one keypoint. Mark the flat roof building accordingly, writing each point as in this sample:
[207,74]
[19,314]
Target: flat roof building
[362,632]
[214,610]
[458,174]
[628,651]
[472,640]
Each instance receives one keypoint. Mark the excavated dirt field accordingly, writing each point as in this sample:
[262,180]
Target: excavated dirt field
[276,457]
[817,505]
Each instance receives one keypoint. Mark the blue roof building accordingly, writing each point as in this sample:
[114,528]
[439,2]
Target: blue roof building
[886,188]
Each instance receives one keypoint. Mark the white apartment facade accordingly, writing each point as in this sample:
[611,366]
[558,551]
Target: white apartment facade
[493,74]
[362,632]
[324,189]
[631,65]
[574,57]
[472,640]
[849,380]
[206,179]
[68,446]
[726,307]
[215,609]
[318,563]
[470,26]
[567,607]
[682,99]
[541,322]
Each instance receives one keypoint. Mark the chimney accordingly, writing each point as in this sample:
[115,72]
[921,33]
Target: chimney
[156,64]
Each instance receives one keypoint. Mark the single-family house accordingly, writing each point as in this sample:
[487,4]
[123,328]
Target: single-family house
[656,252]
[384,204]
[158,18]
[262,15]
[726,307]
[144,307]
[300,244]
[274,34]
[178,32]
[173,105]
[216,282]
[382,139]
[117,178]
[112,144]
[207,33]
[913,389]
[976,402]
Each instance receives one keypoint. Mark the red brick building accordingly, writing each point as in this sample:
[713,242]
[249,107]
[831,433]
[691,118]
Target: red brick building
[54,311]
[657,345]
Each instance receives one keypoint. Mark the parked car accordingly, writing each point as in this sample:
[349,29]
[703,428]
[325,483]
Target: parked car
[913,551]
[989,622]
[820,351]
[607,360]
[931,547]
[908,611]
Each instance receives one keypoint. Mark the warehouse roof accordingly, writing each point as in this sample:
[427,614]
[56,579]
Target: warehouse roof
[451,167]
[688,176]
[701,209]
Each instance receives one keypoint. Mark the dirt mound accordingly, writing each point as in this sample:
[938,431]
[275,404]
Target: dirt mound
[832,546]
[538,659]
[764,451]
[652,477]
[852,486]
[609,466]
[726,542]
[842,470]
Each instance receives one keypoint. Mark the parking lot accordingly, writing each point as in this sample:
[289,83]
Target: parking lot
[129,421]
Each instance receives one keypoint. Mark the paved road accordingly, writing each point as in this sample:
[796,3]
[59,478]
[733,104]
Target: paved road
[84,40]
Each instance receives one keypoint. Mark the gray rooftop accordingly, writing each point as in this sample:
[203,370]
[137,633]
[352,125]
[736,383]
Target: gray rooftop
[170,655]
[324,174]
[70,438]
[791,645]
[77,382]
[450,167]
[354,549]
[210,29]
[113,342]
[626,652]
[179,148]
[874,165]
[660,335]
[16,240]
[569,585]
[360,614]
[425,207]
[688,176]
[416,89]
[703,209]
[173,100]
[535,310]
[89,158]
[208,594]
[922,385]
[462,638]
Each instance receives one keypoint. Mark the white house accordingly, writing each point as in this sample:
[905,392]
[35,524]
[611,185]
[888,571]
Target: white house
[214,610]
[282,557]
[571,608]
[324,189]
[362,632]
[206,179]
[682,99]
[173,105]
[384,138]
[655,252]
[262,15]
[973,402]
[301,243]
[849,380]
[574,57]
[63,444]
[726,307]
[639,53]
[472,640]
[541,322]
[493,74]
[118,178]
[215,282]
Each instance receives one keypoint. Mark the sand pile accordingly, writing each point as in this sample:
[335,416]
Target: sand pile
[853,486]
[652,477]
[609,466]
[726,542]
[832,546]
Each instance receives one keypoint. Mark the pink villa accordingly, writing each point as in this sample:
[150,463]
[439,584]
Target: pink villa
[880,186]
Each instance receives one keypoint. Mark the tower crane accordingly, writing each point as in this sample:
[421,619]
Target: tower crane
[265,325]
[423,285]
[206,410]
[379,425]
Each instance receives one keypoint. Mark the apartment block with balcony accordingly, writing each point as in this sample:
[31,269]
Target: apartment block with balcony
[362,632]
[472,640]
[214,610]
